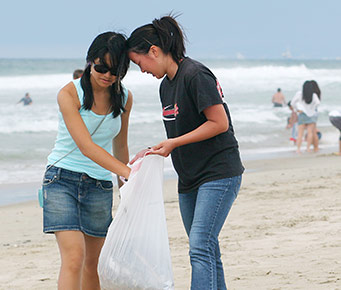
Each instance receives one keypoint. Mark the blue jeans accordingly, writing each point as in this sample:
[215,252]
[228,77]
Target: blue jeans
[203,213]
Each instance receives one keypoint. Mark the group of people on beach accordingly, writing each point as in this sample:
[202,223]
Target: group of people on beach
[304,115]
[93,122]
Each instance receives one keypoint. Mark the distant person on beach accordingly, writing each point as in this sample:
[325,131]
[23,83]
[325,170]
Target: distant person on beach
[77,74]
[278,99]
[77,186]
[305,102]
[317,133]
[200,140]
[26,100]
[292,123]
[335,119]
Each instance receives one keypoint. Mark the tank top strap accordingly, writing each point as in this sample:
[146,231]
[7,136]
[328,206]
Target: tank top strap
[80,92]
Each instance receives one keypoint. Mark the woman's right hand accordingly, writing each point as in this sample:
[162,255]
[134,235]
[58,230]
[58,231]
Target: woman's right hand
[139,155]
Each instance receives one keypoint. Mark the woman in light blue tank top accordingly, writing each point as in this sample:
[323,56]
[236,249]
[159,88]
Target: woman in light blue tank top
[77,186]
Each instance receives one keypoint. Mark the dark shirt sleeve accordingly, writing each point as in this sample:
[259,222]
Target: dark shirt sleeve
[204,90]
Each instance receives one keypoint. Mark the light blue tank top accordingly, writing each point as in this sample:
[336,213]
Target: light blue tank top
[103,137]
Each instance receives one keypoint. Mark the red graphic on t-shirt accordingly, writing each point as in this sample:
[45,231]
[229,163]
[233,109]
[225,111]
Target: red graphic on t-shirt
[170,112]
[220,90]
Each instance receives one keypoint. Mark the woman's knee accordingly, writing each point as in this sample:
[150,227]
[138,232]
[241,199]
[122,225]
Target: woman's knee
[202,245]
[90,264]
[74,260]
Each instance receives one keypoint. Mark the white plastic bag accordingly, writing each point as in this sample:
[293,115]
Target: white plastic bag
[136,253]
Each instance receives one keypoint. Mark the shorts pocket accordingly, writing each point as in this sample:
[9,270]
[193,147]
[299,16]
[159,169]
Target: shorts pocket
[105,185]
[51,175]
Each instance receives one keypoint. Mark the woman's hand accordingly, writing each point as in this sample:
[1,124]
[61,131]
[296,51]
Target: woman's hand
[164,148]
[140,155]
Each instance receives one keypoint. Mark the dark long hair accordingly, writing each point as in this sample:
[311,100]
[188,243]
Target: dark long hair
[316,89]
[113,44]
[307,92]
[164,33]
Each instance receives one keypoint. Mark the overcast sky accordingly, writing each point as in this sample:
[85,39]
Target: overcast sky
[251,29]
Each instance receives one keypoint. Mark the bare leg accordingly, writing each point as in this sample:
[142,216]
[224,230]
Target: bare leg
[316,140]
[90,280]
[310,135]
[300,137]
[72,252]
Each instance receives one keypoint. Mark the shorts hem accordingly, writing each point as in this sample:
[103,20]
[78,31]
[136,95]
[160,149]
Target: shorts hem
[52,230]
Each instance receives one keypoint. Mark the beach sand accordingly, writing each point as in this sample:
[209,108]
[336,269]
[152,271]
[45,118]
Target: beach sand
[283,232]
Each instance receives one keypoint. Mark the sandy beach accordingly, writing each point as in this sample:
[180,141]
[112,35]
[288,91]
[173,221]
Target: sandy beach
[283,232]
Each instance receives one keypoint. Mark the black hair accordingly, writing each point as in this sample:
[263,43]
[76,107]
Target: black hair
[316,89]
[113,44]
[307,92]
[164,33]
[279,89]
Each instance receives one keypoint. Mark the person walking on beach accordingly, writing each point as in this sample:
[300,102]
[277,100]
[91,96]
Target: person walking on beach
[26,100]
[77,186]
[77,73]
[335,119]
[305,102]
[200,140]
[278,99]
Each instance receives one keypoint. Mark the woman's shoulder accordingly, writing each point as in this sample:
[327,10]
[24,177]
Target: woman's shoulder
[67,92]
[298,95]
[193,68]
[192,65]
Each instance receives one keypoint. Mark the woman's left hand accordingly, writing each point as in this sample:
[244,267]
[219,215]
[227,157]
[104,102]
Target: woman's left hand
[164,148]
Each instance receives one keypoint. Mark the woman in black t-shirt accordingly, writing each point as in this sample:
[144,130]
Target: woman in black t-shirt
[200,140]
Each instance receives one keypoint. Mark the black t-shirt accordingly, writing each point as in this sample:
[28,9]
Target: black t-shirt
[193,89]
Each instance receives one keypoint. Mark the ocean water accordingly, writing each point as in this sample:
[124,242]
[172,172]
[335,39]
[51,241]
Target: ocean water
[27,133]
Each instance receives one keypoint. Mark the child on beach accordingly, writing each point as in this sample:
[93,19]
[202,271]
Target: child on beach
[77,185]
[292,123]
[200,140]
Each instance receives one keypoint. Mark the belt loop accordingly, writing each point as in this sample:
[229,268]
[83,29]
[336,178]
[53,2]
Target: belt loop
[59,173]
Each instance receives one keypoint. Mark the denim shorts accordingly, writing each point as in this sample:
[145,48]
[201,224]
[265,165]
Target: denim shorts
[74,201]
[305,119]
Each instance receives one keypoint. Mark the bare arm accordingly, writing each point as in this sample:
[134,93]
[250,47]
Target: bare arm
[295,100]
[69,106]
[120,142]
[217,123]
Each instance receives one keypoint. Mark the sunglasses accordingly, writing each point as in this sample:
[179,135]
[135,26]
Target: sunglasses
[103,69]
